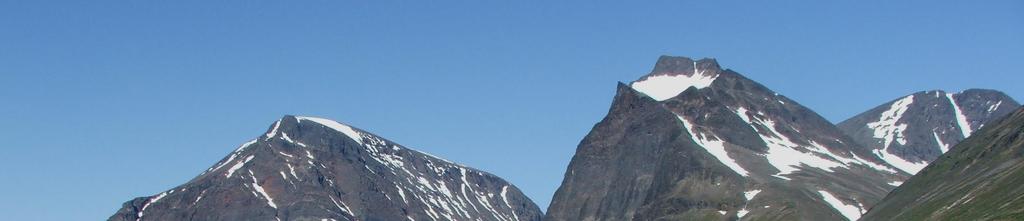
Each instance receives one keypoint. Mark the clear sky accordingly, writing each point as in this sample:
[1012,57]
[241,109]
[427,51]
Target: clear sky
[107,101]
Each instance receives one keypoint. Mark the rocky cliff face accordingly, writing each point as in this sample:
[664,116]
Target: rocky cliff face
[691,141]
[913,130]
[982,178]
[308,168]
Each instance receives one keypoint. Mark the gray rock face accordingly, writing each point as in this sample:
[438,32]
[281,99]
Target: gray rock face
[912,131]
[981,178]
[316,169]
[691,141]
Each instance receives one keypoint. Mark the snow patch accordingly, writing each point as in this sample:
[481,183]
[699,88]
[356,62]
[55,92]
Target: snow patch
[289,139]
[237,166]
[942,145]
[995,107]
[244,145]
[887,128]
[341,206]
[273,132]
[345,129]
[961,119]
[784,156]
[199,197]
[256,185]
[150,202]
[783,153]
[310,155]
[663,87]
[874,165]
[232,157]
[851,212]
[292,170]
[714,146]
[742,112]
[895,183]
[467,185]
[504,197]
[896,161]
[751,194]
[401,193]
[818,148]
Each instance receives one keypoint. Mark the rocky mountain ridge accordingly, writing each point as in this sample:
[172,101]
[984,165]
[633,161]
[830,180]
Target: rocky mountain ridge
[307,168]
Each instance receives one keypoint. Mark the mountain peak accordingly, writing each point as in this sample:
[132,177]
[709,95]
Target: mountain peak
[913,130]
[672,75]
[748,153]
[679,64]
[289,124]
[309,168]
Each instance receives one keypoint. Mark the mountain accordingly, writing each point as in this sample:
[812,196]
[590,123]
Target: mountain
[913,130]
[982,178]
[307,168]
[691,141]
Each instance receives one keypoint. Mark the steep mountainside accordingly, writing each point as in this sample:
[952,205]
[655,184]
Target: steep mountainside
[308,168]
[690,141]
[982,178]
[913,130]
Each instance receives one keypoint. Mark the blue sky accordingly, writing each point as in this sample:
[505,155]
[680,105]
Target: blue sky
[107,101]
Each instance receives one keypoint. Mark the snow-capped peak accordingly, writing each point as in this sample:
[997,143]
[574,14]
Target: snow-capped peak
[673,75]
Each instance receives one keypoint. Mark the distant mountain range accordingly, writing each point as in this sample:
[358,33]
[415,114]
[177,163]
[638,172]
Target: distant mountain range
[307,168]
[688,141]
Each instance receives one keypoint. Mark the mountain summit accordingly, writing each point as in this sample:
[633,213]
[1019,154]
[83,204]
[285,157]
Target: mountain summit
[690,141]
[673,75]
[914,130]
[671,65]
[306,168]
